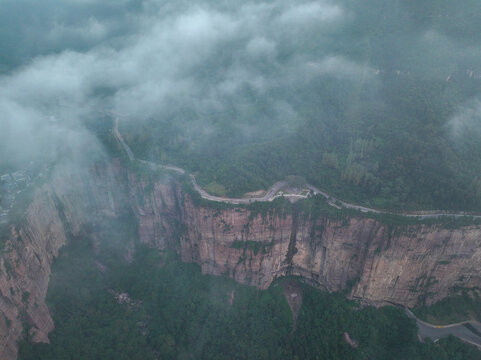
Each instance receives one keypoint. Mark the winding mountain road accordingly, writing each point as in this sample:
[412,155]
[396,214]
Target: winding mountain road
[269,196]
[469,332]
[463,330]
[121,141]
[272,193]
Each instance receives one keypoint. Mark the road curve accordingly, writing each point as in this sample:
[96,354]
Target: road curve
[272,192]
[460,330]
[269,196]
[425,330]
[121,141]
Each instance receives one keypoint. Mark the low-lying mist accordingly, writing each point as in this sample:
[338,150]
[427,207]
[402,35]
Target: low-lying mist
[196,82]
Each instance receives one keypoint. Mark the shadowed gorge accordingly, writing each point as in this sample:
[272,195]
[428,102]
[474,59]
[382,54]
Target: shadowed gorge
[254,244]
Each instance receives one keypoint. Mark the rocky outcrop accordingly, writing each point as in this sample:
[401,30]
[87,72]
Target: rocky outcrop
[25,271]
[378,263]
[63,209]
[358,255]
[364,258]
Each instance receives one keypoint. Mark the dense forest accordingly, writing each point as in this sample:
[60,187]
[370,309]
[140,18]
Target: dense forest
[172,311]
[381,109]
[464,305]
[377,102]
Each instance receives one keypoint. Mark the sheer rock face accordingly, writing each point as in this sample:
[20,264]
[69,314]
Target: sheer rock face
[63,209]
[360,256]
[25,271]
[366,259]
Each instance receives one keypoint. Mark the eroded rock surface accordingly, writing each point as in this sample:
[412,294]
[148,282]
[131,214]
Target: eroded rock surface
[67,207]
[364,258]
[360,256]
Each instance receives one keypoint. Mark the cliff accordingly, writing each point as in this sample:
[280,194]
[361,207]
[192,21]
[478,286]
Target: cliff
[62,209]
[361,256]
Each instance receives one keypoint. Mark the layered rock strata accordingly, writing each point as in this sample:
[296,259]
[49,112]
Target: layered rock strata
[364,258]
[67,207]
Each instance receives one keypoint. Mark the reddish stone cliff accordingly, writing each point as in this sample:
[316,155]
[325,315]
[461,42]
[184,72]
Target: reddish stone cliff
[25,271]
[364,258]
[60,210]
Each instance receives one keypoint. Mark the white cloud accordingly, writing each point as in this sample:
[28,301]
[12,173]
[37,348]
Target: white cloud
[90,30]
[466,121]
[192,56]
[303,14]
[260,47]
[338,66]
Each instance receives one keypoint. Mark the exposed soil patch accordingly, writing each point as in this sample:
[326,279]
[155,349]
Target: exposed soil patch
[130,251]
[258,193]
[293,293]
[347,338]
[124,298]
[231,297]
[102,268]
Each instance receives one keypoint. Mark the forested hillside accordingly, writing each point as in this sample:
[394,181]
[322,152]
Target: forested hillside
[168,310]
[378,102]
